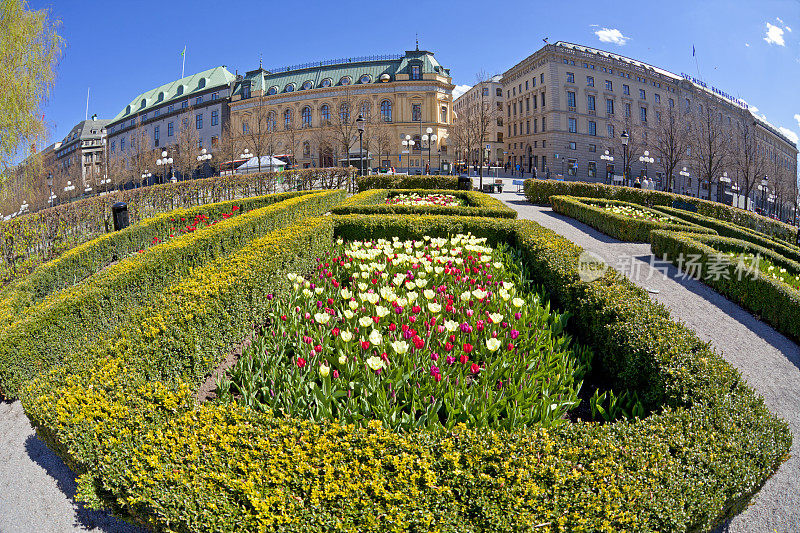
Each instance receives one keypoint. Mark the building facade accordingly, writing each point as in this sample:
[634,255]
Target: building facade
[486,95]
[308,112]
[80,156]
[567,106]
[183,117]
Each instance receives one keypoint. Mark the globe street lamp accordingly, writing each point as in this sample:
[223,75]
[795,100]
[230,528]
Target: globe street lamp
[646,159]
[721,188]
[50,186]
[69,187]
[610,159]
[360,126]
[164,161]
[202,158]
[685,173]
[408,143]
[624,138]
[246,155]
[429,137]
[146,175]
[763,187]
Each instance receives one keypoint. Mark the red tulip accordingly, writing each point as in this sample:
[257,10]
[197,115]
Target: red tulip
[301,362]
[464,359]
[467,347]
[365,345]
[475,368]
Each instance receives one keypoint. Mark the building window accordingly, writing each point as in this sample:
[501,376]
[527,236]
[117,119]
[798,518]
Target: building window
[325,82]
[609,86]
[642,95]
[198,100]
[214,96]
[572,167]
[610,130]
[541,77]
[170,129]
[289,88]
[214,118]
[573,145]
[184,104]
[443,114]
[527,105]
[515,108]
[122,144]
[570,99]
[287,119]
[671,102]
[573,125]
[485,91]
[113,146]
[170,108]
[306,149]
[498,92]
[499,136]
[609,106]
[592,128]
[156,112]
[592,147]
[626,89]
[590,81]
[527,127]
[570,77]
[198,121]
[246,90]
[344,113]
[542,99]
[271,121]
[643,114]
[345,80]
[590,102]
[245,127]
[416,112]
[415,72]
[544,127]
[534,101]
[535,125]
[627,110]
[325,113]
[305,116]
[156,134]
[592,169]
[657,98]
[386,111]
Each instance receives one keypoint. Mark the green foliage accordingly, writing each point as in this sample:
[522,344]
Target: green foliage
[774,301]
[626,405]
[121,413]
[616,225]
[373,202]
[402,181]
[540,191]
[52,330]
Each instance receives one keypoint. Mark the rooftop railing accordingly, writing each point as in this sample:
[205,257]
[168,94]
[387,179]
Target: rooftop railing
[342,61]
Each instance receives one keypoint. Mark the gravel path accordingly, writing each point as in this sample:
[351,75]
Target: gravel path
[37,489]
[769,361]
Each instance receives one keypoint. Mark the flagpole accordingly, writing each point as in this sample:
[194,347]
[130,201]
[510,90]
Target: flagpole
[87,102]
[184,60]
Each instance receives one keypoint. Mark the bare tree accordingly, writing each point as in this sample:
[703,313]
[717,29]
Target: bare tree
[184,152]
[229,146]
[379,138]
[258,131]
[671,140]
[343,125]
[746,157]
[709,145]
[291,137]
[638,141]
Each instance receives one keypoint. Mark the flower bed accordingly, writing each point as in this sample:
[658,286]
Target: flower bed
[403,181]
[722,263]
[379,201]
[122,415]
[621,220]
[444,200]
[419,333]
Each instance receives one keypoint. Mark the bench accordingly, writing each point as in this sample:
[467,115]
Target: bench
[686,206]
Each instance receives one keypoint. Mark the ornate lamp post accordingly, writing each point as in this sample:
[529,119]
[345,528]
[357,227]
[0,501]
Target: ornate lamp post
[646,159]
[164,161]
[360,126]
[625,138]
[610,159]
[246,155]
[685,173]
[721,188]
[408,143]
[52,197]
[764,184]
[203,157]
[69,187]
[146,175]
[429,137]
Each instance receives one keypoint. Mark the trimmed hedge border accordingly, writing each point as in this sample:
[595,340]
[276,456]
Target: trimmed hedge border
[149,452]
[617,226]
[402,181]
[51,331]
[87,258]
[539,192]
[372,202]
[775,302]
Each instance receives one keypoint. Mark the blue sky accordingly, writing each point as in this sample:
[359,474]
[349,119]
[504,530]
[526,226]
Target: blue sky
[122,48]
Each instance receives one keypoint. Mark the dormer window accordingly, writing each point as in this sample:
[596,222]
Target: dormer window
[246,90]
[307,85]
[272,90]
[289,87]
[326,82]
[144,102]
[365,78]
[416,72]
[201,83]
[345,80]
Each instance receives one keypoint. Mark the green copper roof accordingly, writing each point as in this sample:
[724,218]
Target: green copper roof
[292,79]
[177,90]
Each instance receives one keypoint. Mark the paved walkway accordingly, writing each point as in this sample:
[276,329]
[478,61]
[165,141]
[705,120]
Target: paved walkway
[769,361]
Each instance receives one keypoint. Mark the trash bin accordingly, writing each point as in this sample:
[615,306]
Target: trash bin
[464,183]
[119,212]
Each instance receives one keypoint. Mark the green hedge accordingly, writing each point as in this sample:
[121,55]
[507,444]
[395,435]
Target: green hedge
[122,415]
[773,301]
[51,331]
[373,202]
[618,226]
[727,229]
[540,191]
[402,181]
[87,258]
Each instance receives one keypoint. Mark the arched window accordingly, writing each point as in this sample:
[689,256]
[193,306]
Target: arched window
[365,78]
[272,90]
[325,113]
[344,113]
[386,111]
[366,110]
[287,119]
[289,87]
[306,117]
[271,121]
[201,83]
[345,80]
[326,82]
[306,149]
[307,85]
[443,114]
[144,102]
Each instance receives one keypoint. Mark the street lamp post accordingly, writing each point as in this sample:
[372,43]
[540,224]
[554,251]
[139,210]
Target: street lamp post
[408,143]
[721,188]
[610,159]
[685,173]
[429,137]
[624,138]
[202,158]
[164,160]
[145,176]
[50,186]
[360,126]
[764,184]
[646,159]
[245,155]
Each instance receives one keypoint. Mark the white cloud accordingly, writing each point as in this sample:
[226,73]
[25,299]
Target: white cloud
[774,35]
[614,36]
[797,118]
[780,20]
[792,136]
[787,28]
[460,89]
[747,45]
